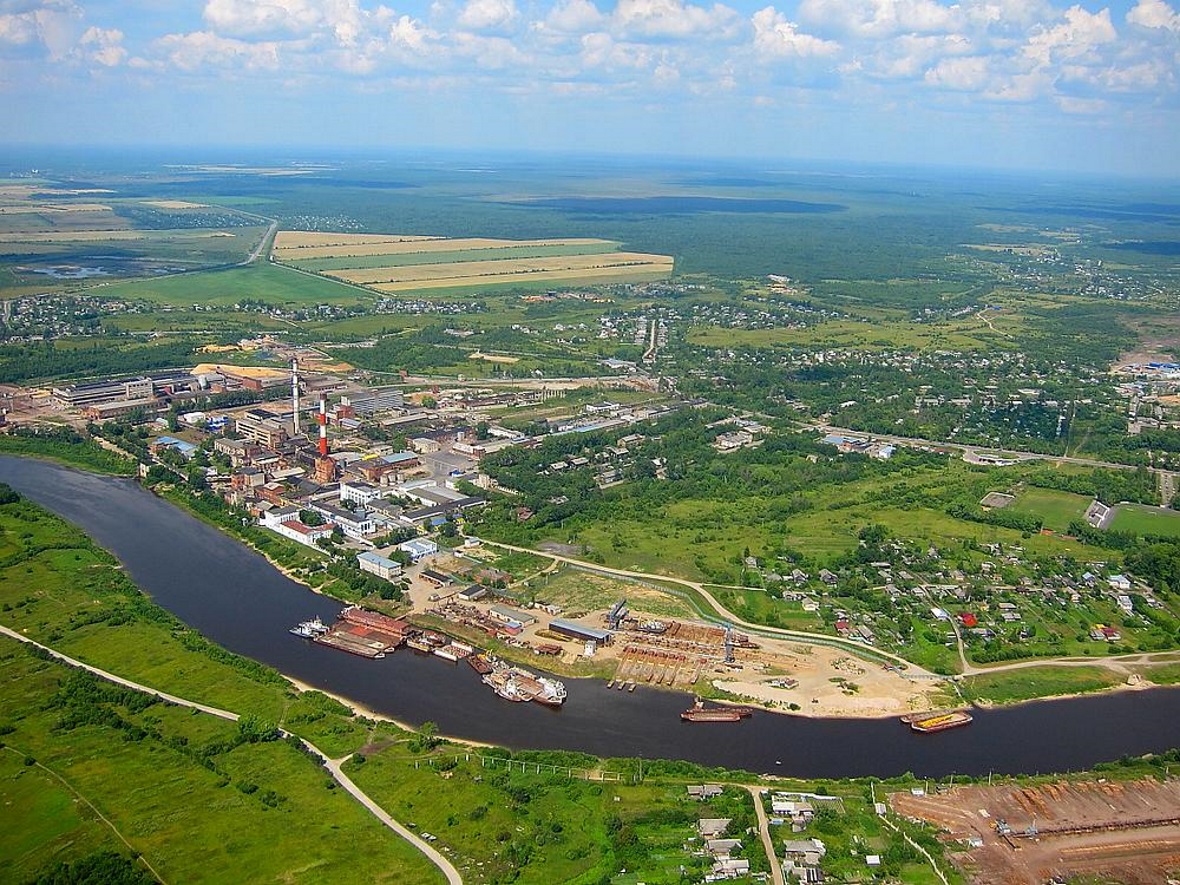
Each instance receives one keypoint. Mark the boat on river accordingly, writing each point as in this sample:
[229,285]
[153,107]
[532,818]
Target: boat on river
[516,684]
[309,629]
[698,712]
[941,722]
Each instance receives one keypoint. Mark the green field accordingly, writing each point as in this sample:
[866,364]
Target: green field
[184,790]
[1056,509]
[260,281]
[1144,520]
[1030,683]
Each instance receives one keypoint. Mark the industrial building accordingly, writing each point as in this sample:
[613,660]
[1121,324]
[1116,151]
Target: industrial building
[577,631]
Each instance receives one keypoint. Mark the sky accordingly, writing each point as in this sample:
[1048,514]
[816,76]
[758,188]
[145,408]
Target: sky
[1020,84]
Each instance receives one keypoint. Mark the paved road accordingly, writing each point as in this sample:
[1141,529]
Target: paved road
[445,866]
[973,448]
[776,868]
[264,243]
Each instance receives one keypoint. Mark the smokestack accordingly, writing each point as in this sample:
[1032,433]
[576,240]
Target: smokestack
[295,392]
[323,419]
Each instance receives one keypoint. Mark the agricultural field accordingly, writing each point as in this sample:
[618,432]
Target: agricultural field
[223,288]
[394,263]
[1143,520]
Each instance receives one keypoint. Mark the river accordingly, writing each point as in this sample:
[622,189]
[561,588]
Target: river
[238,599]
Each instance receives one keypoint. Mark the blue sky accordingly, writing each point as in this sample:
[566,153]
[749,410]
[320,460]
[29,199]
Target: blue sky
[992,83]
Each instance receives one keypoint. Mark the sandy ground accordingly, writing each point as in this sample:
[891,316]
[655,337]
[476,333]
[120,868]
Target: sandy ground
[830,682]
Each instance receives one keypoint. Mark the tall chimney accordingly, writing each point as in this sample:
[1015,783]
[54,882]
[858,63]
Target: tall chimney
[295,391]
[323,419]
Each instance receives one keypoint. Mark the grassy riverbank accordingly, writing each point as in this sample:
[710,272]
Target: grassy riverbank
[1032,683]
[88,766]
[67,447]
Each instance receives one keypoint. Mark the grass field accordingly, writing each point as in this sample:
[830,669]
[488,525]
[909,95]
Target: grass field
[259,281]
[177,787]
[1056,509]
[1144,520]
[580,592]
[1037,682]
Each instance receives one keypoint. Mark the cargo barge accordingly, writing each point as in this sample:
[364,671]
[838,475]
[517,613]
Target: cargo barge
[940,722]
[358,632]
[698,712]
[479,663]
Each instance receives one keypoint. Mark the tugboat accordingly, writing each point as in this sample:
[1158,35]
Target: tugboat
[515,684]
[309,629]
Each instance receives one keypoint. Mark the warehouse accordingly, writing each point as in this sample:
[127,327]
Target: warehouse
[577,631]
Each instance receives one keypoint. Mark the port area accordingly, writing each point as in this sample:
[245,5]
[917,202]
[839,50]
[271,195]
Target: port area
[683,655]
[364,633]
[1126,832]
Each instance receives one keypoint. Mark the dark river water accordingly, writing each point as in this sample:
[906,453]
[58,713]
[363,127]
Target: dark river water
[235,597]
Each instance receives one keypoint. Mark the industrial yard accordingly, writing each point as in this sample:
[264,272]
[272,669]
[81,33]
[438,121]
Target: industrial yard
[1126,832]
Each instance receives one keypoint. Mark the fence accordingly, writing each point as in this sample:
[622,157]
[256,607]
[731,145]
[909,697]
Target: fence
[586,774]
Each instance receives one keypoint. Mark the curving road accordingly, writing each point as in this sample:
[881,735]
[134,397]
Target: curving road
[333,765]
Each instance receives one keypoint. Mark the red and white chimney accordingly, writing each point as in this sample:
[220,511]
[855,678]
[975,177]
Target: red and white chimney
[323,420]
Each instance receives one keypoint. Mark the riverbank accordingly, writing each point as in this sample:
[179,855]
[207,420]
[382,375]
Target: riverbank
[235,597]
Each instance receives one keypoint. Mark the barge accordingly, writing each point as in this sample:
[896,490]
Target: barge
[940,722]
[698,712]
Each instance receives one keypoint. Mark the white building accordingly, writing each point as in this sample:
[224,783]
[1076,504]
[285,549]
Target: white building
[419,548]
[376,564]
[360,492]
[285,521]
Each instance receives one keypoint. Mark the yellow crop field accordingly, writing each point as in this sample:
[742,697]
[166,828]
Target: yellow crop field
[304,239]
[508,267]
[174,204]
[633,274]
[420,262]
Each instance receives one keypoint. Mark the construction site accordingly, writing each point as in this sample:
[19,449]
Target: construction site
[1097,830]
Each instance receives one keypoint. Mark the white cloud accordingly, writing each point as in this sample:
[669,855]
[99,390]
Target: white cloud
[411,35]
[1154,14]
[775,35]
[201,49]
[599,51]
[344,20]
[674,20]
[910,56]
[879,18]
[51,27]
[1148,76]
[18,30]
[573,17]
[1077,36]
[969,74]
[1081,106]
[487,15]
[103,46]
